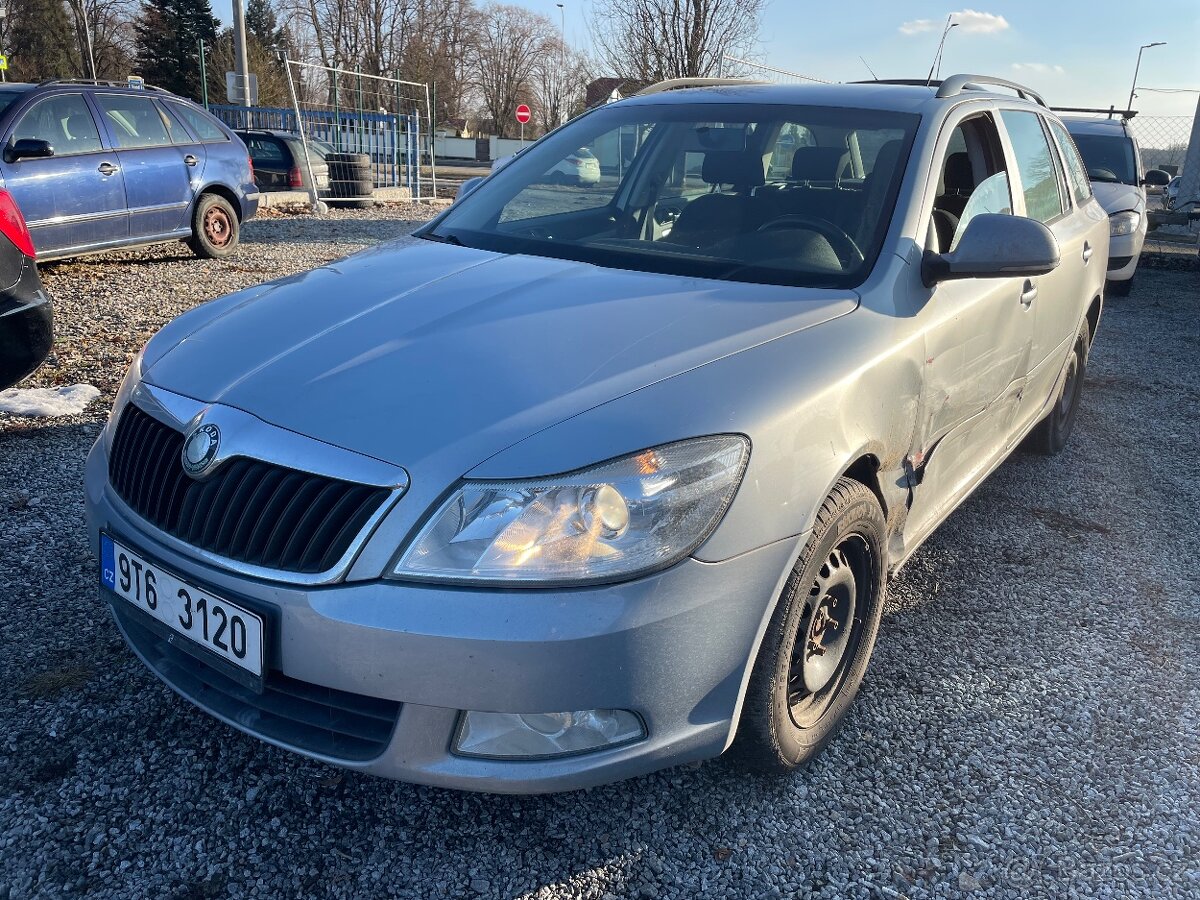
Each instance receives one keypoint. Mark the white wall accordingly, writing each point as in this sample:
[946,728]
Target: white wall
[455,148]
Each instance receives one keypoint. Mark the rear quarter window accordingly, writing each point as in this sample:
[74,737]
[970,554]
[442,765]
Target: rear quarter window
[202,124]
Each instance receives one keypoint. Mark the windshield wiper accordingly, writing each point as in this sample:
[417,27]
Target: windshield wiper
[443,238]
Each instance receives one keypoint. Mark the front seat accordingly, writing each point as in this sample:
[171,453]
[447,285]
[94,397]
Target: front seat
[714,217]
[958,181]
[823,165]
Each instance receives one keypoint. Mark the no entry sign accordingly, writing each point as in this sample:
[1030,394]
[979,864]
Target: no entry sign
[523,114]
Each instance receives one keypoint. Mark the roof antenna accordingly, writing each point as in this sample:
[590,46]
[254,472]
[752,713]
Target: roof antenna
[937,57]
[869,69]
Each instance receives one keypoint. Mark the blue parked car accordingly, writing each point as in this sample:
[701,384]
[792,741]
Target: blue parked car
[99,165]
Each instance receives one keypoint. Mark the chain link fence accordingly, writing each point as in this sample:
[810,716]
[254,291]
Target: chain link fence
[366,137]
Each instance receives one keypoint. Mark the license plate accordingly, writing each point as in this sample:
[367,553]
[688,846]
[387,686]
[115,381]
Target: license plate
[322,181]
[226,629]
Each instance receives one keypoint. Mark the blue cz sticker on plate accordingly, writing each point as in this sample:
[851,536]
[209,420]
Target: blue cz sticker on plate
[108,563]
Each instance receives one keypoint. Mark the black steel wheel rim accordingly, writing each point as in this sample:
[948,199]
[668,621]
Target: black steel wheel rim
[836,606]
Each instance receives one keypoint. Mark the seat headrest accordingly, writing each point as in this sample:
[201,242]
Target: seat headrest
[885,161]
[80,126]
[958,177]
[818,163]
[741,168]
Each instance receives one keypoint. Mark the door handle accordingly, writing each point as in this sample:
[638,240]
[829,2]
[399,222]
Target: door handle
[1087,252]
[190,160]
[1028,293]
[107,168]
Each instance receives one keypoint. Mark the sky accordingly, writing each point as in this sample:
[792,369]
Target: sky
[1075,52]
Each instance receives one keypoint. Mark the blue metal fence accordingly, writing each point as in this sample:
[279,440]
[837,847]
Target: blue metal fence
[391,140]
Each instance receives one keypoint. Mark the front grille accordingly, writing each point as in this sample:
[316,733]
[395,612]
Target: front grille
[296,713]
[250,511]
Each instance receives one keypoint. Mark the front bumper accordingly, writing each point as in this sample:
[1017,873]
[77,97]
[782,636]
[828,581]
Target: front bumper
[1124,252]
[673,647]
[26,326]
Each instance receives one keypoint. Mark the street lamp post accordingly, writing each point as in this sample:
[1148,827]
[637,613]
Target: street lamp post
[1133,87]
[562,65]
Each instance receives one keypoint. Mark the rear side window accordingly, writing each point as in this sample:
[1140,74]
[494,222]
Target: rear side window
[1035,162]
[1080,186]
[134,122]
[204,125]
[65,121]
[266,150]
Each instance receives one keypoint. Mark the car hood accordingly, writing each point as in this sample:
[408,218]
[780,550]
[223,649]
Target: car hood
[1118,197]
[417,350]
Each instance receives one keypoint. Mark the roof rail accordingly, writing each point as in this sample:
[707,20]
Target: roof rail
[1110,112]
[99,82]
[956,84]
[675,84]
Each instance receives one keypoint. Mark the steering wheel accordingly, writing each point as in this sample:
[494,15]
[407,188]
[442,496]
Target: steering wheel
[843,245]
[1099,173]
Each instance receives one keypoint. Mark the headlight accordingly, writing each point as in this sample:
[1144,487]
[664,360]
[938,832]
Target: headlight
[1123,223]
[630,515]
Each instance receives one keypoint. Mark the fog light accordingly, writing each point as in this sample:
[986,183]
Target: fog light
[541,735]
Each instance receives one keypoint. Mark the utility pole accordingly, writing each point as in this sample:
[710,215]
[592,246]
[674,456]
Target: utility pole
[241,66]
[1133,87]
[203,76]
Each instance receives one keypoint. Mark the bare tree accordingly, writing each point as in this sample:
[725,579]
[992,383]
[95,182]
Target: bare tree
[510,44]
[651,40]
[559,81]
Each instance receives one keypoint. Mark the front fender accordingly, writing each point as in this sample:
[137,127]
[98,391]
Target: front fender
[811,404]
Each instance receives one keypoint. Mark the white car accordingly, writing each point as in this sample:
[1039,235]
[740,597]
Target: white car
[580,168]
[1114,166]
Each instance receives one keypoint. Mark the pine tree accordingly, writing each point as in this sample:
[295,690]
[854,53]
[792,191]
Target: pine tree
[41,41]
[262,23]
[168,41]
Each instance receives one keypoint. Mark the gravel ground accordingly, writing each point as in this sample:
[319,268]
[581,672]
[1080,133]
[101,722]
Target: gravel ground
[1028,728]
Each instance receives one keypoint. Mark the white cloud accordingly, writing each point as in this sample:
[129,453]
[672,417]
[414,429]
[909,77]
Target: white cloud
[1039,68]
[968,20]
[916,26]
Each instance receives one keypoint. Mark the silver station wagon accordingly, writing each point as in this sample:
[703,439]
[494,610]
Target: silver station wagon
[585,480]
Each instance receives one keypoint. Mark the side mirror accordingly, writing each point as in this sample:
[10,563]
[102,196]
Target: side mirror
[467,186]
[995,246]
[28,148]
[1157,178]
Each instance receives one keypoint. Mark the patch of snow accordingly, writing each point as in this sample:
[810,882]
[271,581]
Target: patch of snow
[48,402]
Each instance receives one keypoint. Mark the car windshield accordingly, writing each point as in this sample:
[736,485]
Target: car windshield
[9,97]
[772,194]
[1107,157]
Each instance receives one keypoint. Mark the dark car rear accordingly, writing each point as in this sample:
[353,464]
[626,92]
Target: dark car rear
[278,158]
[26,323]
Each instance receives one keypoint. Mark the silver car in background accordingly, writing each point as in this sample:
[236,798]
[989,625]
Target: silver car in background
[1113,160]
[590,480]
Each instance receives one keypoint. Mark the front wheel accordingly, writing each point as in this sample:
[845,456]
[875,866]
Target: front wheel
[214,228]
[816,649]
[1050,435]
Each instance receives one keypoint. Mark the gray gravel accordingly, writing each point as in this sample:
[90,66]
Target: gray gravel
[1029,726]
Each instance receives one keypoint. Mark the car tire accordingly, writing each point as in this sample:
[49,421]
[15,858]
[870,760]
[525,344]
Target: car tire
[1050,435]
[832,602]
[1121,288]
[215,229]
